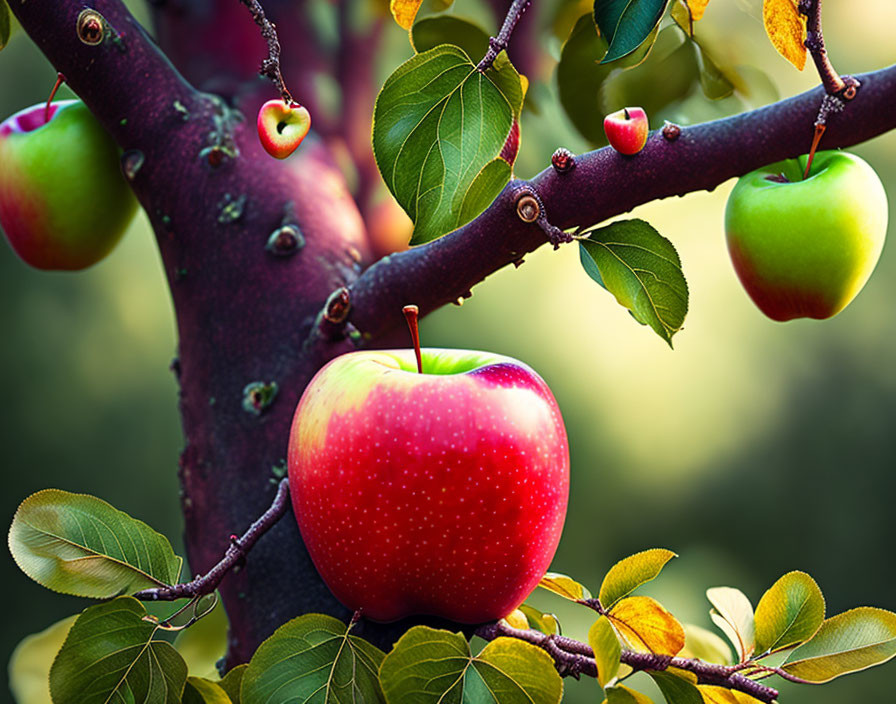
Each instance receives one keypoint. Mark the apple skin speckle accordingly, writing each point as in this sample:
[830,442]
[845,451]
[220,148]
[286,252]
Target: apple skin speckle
[439,494]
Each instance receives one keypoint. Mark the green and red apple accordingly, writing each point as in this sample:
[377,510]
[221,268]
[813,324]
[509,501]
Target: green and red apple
[64,203]
[440,493]
[282,127]
[803,248]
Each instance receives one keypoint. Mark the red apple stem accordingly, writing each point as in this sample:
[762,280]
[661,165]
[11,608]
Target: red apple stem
[411,313]
[234,556]
[60,79]
[626,113]
[819,130]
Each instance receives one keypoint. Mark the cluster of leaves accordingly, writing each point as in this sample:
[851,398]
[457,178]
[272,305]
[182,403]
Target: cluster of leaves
[117,649]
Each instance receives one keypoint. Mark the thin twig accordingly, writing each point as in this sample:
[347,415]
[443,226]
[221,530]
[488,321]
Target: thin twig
[270,66]
[572,657]
[239,548]
[834,84]
[498,44]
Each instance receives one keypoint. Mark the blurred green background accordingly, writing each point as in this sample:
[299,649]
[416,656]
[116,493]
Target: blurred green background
[753,449]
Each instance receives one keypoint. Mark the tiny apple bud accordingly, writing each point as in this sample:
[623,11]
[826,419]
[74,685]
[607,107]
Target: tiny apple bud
[282,127]
[626,130]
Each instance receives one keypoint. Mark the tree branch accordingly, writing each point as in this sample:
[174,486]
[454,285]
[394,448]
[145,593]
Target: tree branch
[573,657]
[498,44]
[833,83]
[235,555]
[605,184]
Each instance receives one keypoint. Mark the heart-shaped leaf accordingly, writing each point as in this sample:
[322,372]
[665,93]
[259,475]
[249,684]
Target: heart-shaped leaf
[112,654]
[439,125]
[428,666]
[629,574]
[852,641]
[313,656]
[625,24]
[78,544]
[642,270]
[790,612]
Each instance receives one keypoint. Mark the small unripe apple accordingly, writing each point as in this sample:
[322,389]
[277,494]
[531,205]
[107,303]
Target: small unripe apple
[805,248]
[440,493]
[626,130]
[282,127]
[64,203]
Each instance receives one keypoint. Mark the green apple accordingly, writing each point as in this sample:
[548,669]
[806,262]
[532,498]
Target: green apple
[803,248]
[64,203]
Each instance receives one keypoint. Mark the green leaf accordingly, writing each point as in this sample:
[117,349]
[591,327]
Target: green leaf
[607,650]
[202,691]
[313,656]
[428,666]
[78,544]
[580,77]
[852,641]
[620,694]
[733,614]
[204,643]
[5,24]
[111,654]
[642,270]
[626,23]
[790,612]
[546,623]
[439,125]
[29,665]
[564,586]
[704,645]
[430,32]
[232,682]
[715,84]
[629,574]
[677,690]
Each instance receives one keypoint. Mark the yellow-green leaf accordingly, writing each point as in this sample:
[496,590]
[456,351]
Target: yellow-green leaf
[78,544]
[790,612]
[204,643]
[564,586]
[607,650]
[786,28]
[232,682]
[29,666]
[852,641]
[546,623]
[733,614]
[705,645]
[5,24]
[719,695]
[620,694]
[686,12]
[629,574]
[647,626]
[677,689]
[404,11]
[517,619]
[202,691]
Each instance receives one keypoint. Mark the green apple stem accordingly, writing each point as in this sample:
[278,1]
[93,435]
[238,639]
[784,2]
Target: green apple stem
[819,130]
[60,79]
[411,313]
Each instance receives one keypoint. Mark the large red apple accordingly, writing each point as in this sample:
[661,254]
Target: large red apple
[439,493]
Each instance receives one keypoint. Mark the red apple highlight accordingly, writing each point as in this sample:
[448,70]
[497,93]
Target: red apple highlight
[442,493]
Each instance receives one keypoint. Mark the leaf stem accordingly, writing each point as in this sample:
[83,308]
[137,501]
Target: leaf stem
[235,553]
[498,44]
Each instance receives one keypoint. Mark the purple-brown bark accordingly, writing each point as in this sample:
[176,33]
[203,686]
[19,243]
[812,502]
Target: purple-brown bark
[245,315]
